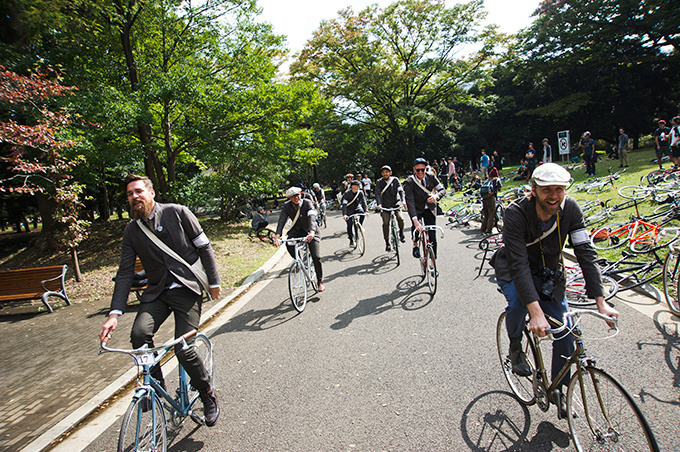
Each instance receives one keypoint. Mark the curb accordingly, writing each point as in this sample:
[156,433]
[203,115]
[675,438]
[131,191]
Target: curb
[67,425]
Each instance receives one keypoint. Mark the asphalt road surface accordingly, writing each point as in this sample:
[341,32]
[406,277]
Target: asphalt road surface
[376,364]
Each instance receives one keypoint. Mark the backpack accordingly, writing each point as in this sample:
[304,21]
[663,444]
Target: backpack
[487,189]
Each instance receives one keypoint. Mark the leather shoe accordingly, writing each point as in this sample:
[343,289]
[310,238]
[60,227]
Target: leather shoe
[520,366]
[416,252]
[402,239]
[351,243]
[320,285]
[388,248]
[562,407]
[211,408]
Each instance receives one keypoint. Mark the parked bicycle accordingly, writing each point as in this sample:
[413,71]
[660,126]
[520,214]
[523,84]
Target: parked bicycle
[145,427]
[641,235]
[301,275]
[428,260]
[394,231]
[671,279]
[359,233]
[601,415]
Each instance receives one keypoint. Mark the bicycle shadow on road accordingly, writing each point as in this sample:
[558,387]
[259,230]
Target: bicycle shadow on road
[668,326]
[384,302]
[263,319]
[186,443]
[378,266]
[497,422]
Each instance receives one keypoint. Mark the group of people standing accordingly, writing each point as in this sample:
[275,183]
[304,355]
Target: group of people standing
[667,141]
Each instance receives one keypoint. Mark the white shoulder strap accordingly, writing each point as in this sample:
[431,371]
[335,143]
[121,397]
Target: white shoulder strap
[387,185]
[196,268]
[545,234]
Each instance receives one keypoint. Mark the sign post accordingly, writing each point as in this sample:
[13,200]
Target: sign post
[563,143]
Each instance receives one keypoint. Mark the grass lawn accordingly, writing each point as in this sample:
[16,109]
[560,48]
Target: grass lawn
[236,255]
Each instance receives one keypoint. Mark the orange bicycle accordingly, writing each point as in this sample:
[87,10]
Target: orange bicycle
[641,235]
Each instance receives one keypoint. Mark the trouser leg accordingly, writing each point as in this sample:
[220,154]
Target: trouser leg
[563,346]
[515,312]
[150,317]
[400,221]
[314,249]
[350,229]
[386,226]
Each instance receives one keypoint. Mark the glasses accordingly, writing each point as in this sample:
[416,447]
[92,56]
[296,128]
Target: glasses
[420,170]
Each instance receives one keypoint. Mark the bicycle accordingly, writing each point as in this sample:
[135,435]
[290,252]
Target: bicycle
[428,260]
[145,426]
[575,288]
[600,413]
[359,235]
[394,231]
[301,274]
[671,280]
[641,235]
[320,215]
[264,235]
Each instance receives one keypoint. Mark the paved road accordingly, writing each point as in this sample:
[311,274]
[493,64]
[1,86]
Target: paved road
[376,364]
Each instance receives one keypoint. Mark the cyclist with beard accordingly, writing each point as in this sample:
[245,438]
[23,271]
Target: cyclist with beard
[172,287]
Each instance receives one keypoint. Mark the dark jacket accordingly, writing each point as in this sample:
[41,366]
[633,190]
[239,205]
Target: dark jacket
[305,223]
[523,264]
[350,205]
[178,228]
[416,198]
[393,195]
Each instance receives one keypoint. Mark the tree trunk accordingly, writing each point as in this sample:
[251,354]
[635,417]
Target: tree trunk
[47,206]
[76,265]
[104,206]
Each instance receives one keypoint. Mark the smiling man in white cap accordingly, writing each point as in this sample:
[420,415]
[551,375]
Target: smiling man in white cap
[529,268]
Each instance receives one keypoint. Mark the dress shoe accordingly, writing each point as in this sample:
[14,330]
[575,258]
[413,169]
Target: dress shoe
[520,366]
[388,248]
[320,285]
[416,252]
[211,409]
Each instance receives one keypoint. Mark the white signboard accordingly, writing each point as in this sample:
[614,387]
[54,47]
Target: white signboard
[563,142]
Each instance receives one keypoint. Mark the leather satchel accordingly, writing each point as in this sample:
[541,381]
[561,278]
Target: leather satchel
[196,268]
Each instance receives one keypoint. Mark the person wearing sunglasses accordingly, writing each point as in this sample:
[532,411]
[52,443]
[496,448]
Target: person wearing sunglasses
[423,190]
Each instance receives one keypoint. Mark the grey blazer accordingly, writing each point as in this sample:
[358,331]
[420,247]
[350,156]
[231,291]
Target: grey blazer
[178,228]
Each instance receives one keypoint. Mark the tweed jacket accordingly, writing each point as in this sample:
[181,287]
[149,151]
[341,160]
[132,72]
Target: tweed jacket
[416,198]
[305,223]
[392,196]
[178,228]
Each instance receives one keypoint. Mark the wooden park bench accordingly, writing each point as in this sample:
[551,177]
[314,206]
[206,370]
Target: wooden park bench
[139,281]
[34,284]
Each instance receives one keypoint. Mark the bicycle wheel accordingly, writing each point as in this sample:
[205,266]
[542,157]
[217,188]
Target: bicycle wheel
[576,291]
[297,287]
[204,351]
[394,240]
[633,192]
[610,236]
[599,188]
[635,278]
[522,387]
[500,214]
[655,241]
[603,416]
[143,427]
[431,270]
[670,282]
[360,239]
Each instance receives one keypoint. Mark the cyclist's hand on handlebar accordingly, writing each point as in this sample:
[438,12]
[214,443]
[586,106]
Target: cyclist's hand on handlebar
[604,308]
[108,327]
[416,224]
[309,237]
[215,293]
[378,207]
[344,217]
[537,322]
[277,241]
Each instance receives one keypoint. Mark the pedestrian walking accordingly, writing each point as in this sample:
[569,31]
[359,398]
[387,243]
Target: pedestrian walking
[623,149]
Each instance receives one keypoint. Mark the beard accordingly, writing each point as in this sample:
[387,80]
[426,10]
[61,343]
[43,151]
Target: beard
[141,210]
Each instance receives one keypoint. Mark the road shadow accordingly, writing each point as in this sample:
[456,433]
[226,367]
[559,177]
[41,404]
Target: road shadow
[263,319]
[402,296]
[668,326]
[497,422]
[379,265]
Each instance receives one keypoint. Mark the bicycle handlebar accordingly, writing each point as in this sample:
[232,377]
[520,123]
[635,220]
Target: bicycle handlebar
[356,215]
[392,209]
[433,227]
[145,349]
[577,313]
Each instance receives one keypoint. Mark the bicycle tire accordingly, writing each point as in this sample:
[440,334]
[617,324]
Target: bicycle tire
[500,216]
[431,270]
[633,192]
[297,287]
[394,240]
[599,188]
[603,238]
[671,286]
[143,425]
[360,239]
[522,387]
[312,281]
[576,291]
[204,351]
[613,421]
[665,237]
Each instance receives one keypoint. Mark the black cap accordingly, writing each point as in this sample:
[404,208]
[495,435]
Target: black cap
[386,167]
[419,161]
[355,182]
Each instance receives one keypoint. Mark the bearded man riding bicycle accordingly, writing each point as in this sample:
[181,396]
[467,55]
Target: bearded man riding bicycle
[422,190]
[390,194]
[529,269]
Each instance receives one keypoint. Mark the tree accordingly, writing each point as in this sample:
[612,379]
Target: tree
[33,137]
[390,69]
